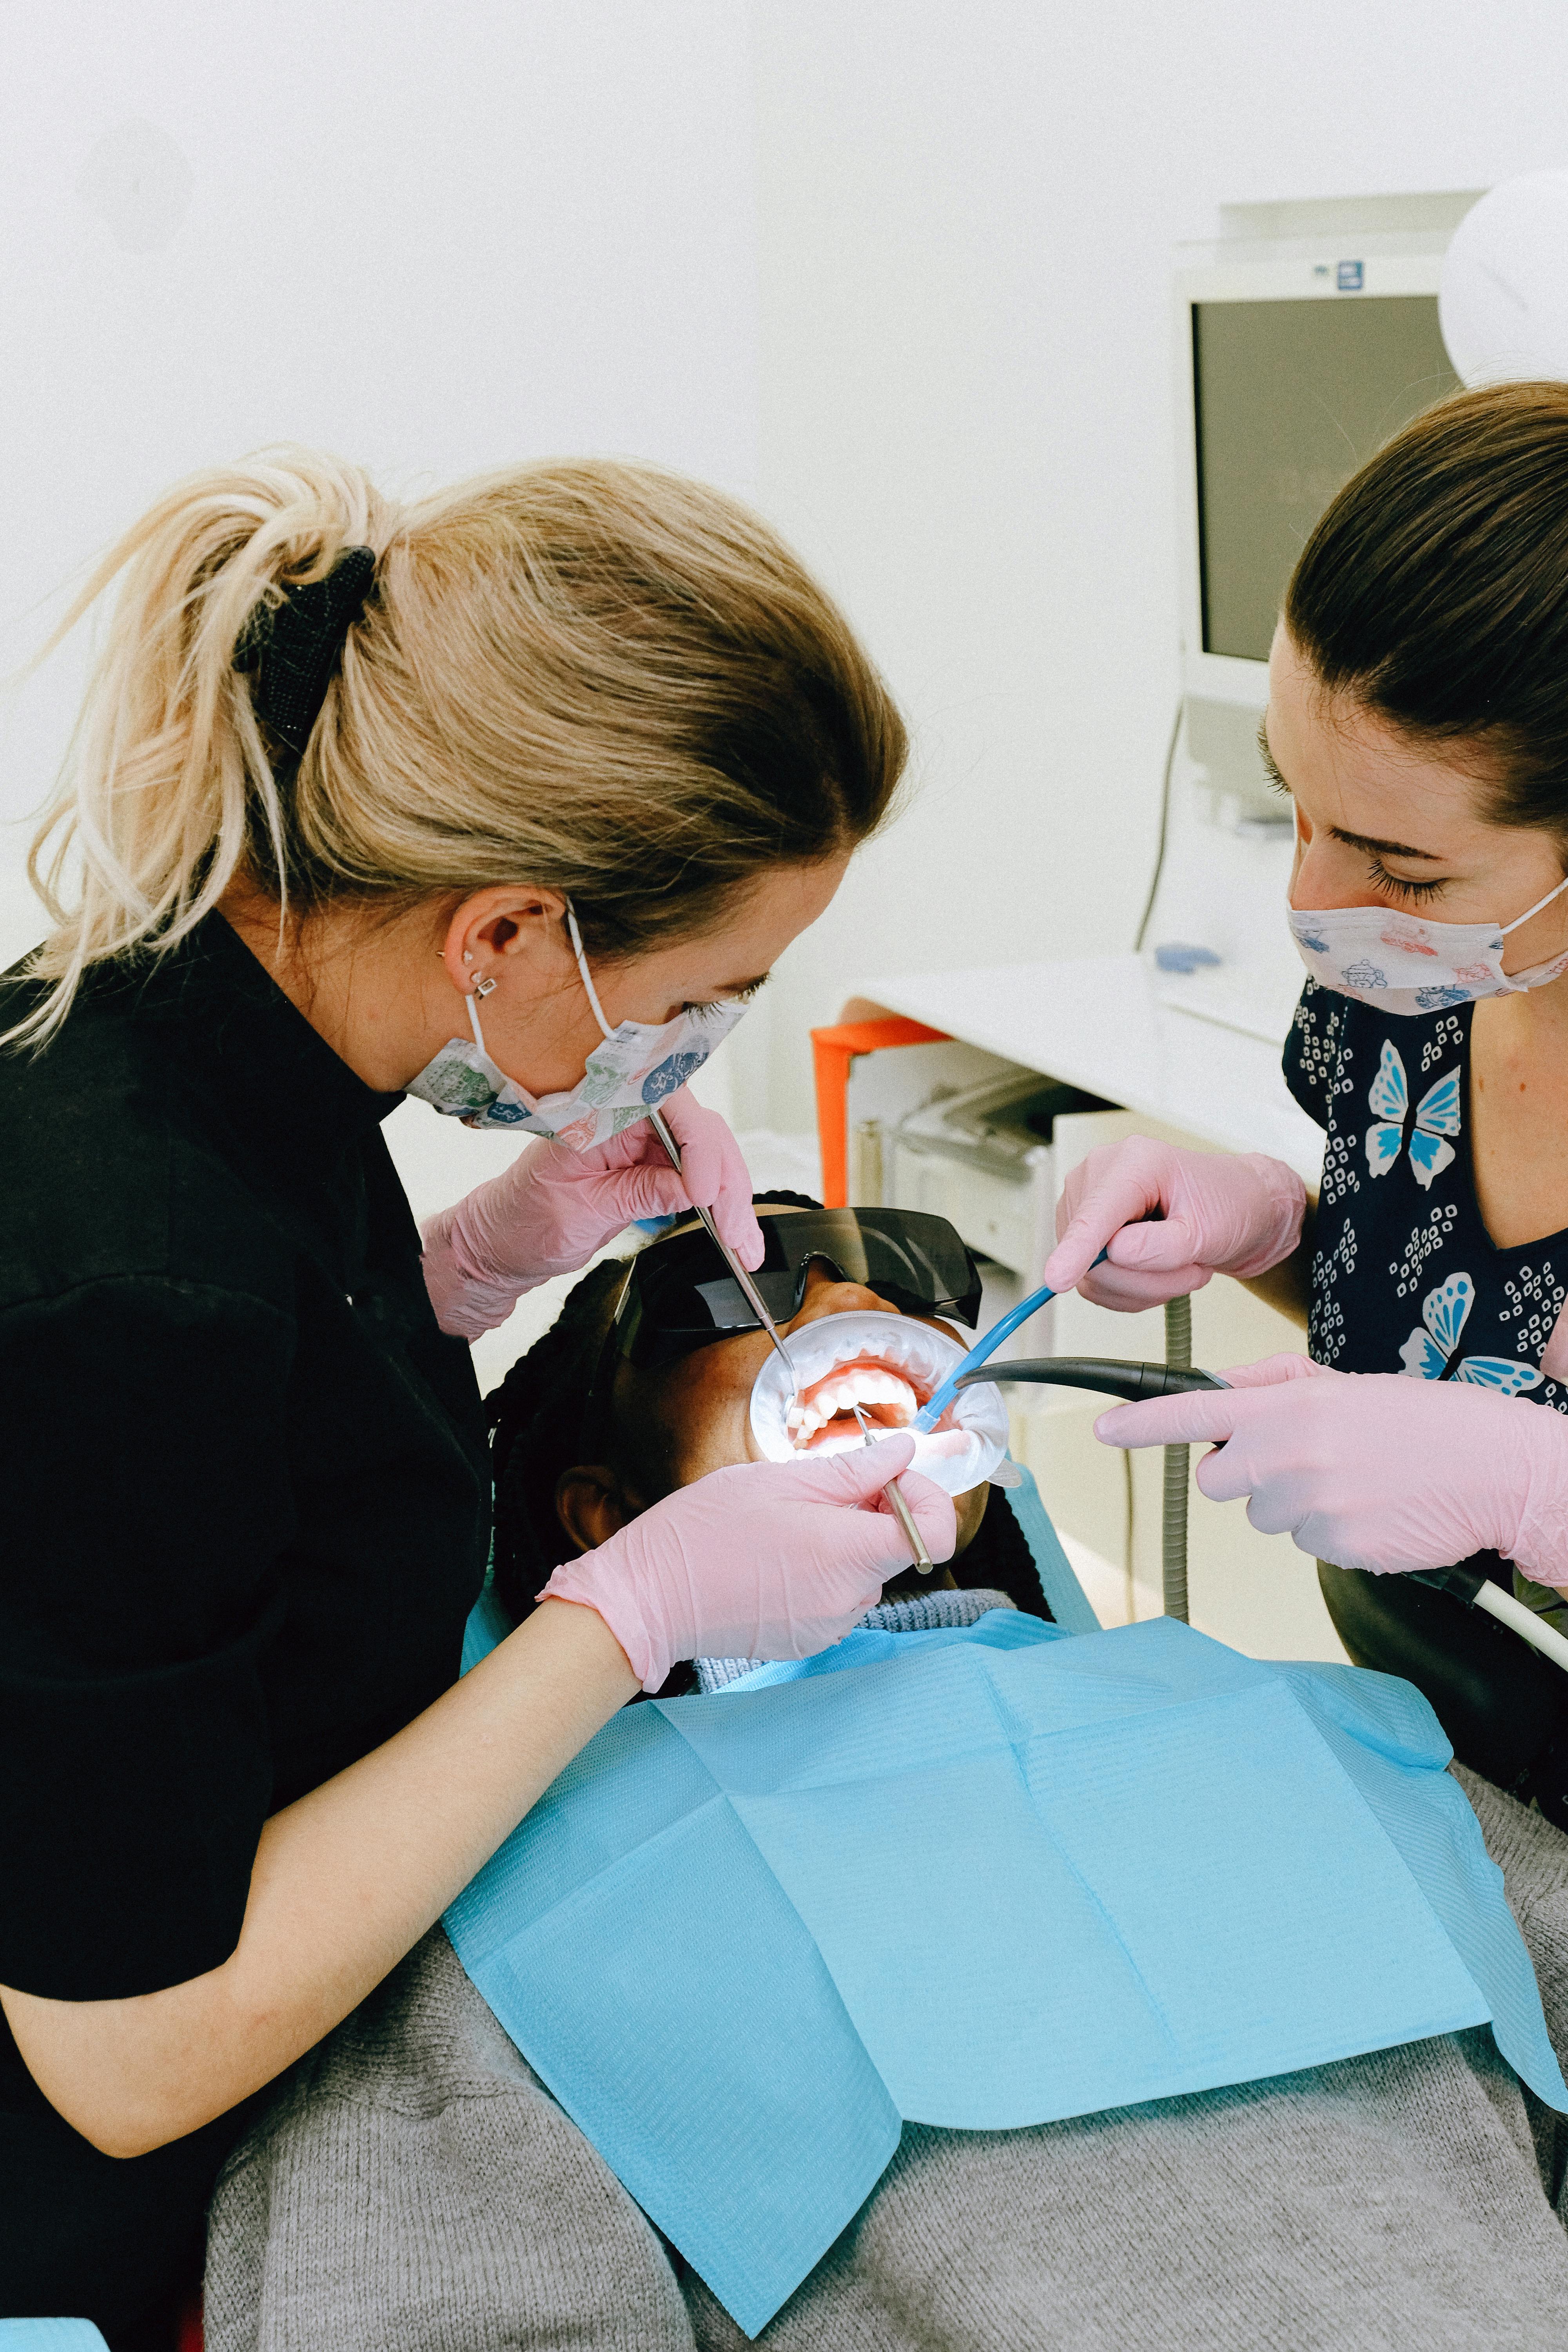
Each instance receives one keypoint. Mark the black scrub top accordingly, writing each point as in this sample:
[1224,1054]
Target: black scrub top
[246,1510]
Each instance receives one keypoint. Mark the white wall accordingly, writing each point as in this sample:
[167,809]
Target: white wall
[922,252]
[966,219]
[435,239]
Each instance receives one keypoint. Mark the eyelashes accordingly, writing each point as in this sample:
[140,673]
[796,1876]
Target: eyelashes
[1411,893]
[712,1006]
[1394,886]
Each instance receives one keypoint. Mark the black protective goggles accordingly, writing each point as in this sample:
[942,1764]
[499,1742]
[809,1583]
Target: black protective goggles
[681,1295]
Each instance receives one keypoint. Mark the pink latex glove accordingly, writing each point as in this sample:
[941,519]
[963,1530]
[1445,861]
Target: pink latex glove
[1217,1212]
[769,1559]
[1373,1470]
[553,1207]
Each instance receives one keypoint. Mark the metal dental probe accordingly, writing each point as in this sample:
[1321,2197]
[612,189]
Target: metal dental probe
[901,1511]
[748,1288]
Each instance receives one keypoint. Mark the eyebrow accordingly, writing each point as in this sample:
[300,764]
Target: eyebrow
[1368,843]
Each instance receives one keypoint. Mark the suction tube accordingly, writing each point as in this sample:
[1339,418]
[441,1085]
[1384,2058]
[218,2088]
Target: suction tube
[1112,1375]
[1477,1592]
[1133,1383]
[932,1412]
[1177,1459]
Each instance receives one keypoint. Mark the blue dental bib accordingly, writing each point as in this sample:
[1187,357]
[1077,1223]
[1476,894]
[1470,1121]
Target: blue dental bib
[982,1878]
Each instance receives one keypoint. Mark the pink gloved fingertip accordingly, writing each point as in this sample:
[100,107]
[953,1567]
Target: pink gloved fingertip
[742,1233]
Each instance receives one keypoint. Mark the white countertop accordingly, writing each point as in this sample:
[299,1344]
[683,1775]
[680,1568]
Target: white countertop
[1097,1022]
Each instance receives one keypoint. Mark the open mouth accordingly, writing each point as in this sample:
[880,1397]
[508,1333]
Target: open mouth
[888,1365]
[889,1393]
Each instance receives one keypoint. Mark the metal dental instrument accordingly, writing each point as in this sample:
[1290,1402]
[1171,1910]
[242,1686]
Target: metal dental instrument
[747,1288]
[901,1511]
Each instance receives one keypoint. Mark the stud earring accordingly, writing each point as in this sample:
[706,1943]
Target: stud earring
[482,986]
[466,957]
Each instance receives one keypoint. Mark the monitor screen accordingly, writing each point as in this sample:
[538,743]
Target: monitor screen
[1292,397]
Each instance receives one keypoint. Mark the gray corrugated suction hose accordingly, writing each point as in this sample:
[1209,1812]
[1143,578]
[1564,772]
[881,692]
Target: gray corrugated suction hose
[1173,1531]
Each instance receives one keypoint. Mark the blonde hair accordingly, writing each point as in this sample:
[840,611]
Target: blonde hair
[601,678]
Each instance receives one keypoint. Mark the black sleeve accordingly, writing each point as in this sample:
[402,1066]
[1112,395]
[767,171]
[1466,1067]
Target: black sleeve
[1311,1055]
[142,1434]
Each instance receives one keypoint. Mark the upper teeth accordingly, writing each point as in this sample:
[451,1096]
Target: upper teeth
[864,1385]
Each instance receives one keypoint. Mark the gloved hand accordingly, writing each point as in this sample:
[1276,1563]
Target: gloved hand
[1373,1470]
[1218,1213]
[769,1559]
[553,1207]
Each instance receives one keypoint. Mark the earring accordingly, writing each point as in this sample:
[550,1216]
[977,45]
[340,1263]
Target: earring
[466,957]
[482,986]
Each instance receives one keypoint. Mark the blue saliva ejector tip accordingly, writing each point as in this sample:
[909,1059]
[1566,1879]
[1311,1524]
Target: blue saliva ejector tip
[936,1404]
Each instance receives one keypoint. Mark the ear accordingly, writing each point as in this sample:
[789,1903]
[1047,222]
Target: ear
[592,1504]
[507,920]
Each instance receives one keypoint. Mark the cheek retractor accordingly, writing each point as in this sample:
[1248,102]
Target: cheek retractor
[886,1366]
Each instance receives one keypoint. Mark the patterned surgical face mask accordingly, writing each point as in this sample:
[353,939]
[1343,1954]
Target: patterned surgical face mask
[629,1074]
[1408,964]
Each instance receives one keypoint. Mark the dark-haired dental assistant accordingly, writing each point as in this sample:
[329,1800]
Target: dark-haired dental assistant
[507,799]
[1417,718]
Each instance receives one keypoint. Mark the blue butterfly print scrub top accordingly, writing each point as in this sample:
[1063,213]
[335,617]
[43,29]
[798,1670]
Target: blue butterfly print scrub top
[1405,1277]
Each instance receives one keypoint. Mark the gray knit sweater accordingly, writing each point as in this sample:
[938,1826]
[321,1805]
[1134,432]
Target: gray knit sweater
[415,2188]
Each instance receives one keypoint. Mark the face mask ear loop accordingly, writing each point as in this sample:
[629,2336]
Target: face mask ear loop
[473,1004]
[1505,928]
[577,938]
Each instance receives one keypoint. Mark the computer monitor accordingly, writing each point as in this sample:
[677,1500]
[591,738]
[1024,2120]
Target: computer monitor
[1289,398]
[1291,372]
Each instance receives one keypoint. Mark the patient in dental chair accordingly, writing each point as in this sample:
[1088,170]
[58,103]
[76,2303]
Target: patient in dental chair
[584,1444]
[414,2188]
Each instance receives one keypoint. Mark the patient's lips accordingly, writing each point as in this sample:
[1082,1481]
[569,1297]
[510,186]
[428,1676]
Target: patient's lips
[887,1398]
[888,1365]
[889,1378]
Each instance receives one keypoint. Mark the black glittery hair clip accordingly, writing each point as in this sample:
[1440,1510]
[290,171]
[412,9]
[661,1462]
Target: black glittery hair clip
[295,647]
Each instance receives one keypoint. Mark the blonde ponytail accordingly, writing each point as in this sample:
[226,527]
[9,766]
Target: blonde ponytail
[602,678]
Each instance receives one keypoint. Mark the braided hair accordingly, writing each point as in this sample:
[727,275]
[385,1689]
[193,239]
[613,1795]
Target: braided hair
[544,1417]
[541,1422]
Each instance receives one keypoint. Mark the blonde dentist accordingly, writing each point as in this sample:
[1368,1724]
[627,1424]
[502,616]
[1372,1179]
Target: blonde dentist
[365,800]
